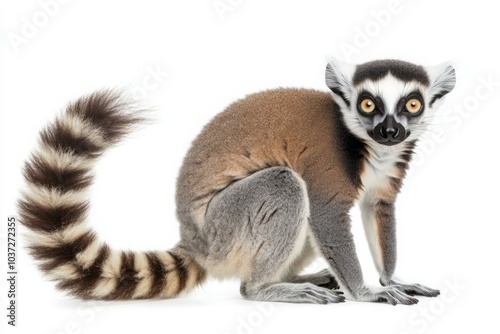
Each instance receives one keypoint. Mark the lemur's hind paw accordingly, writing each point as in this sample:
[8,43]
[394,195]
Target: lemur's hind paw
[291,293]
[314,294]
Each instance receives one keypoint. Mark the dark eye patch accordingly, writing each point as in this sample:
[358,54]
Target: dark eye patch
[379,104]
[401,106]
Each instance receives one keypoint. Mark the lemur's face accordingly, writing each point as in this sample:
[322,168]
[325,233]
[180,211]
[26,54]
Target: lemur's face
[386,101]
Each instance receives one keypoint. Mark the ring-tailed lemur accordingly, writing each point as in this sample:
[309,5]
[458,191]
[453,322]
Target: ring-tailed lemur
[265,187]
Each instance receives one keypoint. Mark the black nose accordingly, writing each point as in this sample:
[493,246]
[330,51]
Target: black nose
[389,132]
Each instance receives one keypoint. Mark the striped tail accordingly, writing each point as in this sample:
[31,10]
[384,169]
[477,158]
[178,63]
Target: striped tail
[55,205]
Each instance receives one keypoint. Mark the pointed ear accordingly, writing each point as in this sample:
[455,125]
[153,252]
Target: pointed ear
[338,77]
[443,81]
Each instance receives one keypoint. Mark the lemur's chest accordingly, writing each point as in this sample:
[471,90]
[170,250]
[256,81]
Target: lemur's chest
[382,173]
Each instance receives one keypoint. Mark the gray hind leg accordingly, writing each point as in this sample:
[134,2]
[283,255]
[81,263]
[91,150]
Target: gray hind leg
[261,223]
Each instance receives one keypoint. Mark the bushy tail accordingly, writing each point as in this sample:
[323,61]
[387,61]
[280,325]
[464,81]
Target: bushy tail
[55,205]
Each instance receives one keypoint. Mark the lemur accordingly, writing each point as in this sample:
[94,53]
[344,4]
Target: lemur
[265,188]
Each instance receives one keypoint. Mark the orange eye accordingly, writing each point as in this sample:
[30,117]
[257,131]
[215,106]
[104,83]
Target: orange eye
[367,105]
[413,106]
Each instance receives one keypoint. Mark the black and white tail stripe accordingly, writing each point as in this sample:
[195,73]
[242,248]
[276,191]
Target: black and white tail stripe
[55,204]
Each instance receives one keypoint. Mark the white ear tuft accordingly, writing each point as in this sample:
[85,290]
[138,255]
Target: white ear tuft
[443,81]
[338,77]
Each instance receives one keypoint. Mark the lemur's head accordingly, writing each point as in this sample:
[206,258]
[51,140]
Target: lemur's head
[387,101]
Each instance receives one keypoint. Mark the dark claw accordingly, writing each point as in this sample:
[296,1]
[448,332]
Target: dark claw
[332,285]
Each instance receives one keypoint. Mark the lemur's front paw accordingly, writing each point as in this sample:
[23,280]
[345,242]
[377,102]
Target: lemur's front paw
[390,294]
[412,289]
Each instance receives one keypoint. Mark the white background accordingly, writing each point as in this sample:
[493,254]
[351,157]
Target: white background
[448,218]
